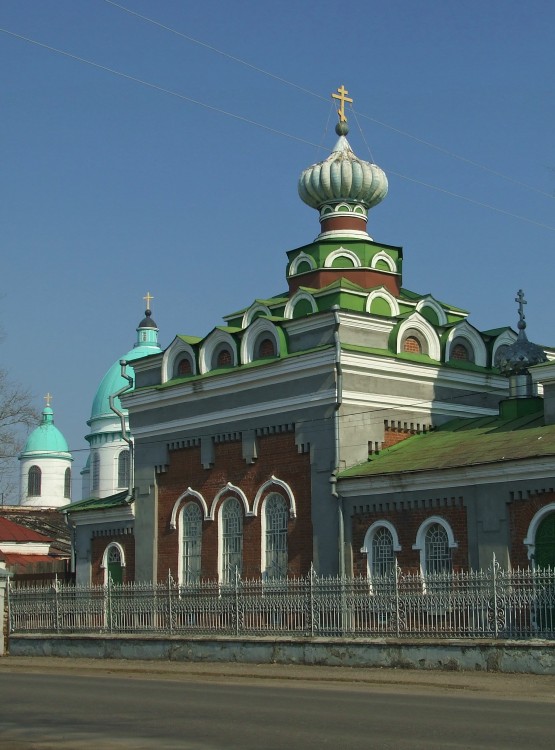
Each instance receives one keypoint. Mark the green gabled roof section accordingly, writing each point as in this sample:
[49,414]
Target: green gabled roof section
[189,339]
[462,443]
[120,500]
[235,318]
[403,356]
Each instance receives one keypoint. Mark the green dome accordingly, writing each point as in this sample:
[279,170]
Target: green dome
[46,438]
[113,382]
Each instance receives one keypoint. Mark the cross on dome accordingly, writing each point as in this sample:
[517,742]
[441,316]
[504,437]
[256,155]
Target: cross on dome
[147,299]
[342,96]
[48,399]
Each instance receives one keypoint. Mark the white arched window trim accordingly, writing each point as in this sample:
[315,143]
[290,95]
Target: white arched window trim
[297,297]
[117,545]
[467,332]
[530,538]
[301,257]
[251,336]
[253,310]
[210,345]
[230,489]
[386,258]
[435,306]
[284,487]
[420,544]
[182,499]
[342,252]
[172,355]
[417,323]
[504,339]
[367,545]
[383,293]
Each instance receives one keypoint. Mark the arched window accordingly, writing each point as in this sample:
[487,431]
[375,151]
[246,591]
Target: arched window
[544,555]
[67,484]
[275,537]
[191,544]
[95,483]
[123,469]
[437,554]
[266,348]
[460,353]
[114,568]
[183,367]
[224,358]
[231,530]
[412,345]
[34,481]
[382,555]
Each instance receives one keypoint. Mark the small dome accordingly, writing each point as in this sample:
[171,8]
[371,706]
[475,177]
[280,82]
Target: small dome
[46,438]
[147,321]
[522,354]
[342,177]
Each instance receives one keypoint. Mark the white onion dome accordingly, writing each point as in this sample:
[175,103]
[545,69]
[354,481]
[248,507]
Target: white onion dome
[343,186]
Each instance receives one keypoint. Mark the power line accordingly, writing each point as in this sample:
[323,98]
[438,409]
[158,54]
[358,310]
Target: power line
[314,94]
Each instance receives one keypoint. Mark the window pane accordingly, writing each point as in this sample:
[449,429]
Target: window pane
[191,544]
[232,540]
[67,484]
[383,556]
[438,554]
[34,481]
[276,517]
[123,469]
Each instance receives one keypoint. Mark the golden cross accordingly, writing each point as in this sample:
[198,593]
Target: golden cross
[342,96]
[148,297]
[48,399]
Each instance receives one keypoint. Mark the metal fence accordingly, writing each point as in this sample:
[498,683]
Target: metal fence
[486,604]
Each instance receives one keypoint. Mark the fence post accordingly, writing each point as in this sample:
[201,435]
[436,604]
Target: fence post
[236,600]
[4,612]
[311,580]
[170,625]
[397,607]
[56,605]
[494,587]
[109,593]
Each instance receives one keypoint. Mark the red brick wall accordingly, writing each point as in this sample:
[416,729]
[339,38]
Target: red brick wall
[521,513]
[277,456]
[406,523]
[99,544]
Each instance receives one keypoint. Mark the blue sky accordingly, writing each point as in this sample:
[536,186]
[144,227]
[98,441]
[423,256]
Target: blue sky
[111,188]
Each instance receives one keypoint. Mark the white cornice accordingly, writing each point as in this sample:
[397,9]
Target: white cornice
[94,517]
[424,406]
[436,479]
[267,408]
[290,368]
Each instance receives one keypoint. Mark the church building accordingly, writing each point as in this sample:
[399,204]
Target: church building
[239,442]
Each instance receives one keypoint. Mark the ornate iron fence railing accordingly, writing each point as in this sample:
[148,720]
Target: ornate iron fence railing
[486,604]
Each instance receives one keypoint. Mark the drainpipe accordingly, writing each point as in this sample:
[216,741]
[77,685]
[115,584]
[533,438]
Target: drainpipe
[336,457]
[121,415]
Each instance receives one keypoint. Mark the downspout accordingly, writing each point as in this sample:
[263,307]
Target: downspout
[336,457]
[121,415]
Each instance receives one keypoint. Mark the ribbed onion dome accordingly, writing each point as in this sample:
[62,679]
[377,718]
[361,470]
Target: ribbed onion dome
[342,177]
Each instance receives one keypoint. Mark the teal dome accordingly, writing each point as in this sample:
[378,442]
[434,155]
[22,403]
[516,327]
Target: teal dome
[46,438]
[112,382]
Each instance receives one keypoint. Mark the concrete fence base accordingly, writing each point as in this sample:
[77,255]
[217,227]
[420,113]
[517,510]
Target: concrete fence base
[527,657]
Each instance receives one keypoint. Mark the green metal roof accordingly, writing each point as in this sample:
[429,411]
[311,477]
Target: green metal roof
[46,438]
[466,442]
[95,503]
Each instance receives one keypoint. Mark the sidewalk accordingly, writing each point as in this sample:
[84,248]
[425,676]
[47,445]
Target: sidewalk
[533,687]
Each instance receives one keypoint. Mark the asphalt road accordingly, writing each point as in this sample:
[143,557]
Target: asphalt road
[78,705]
